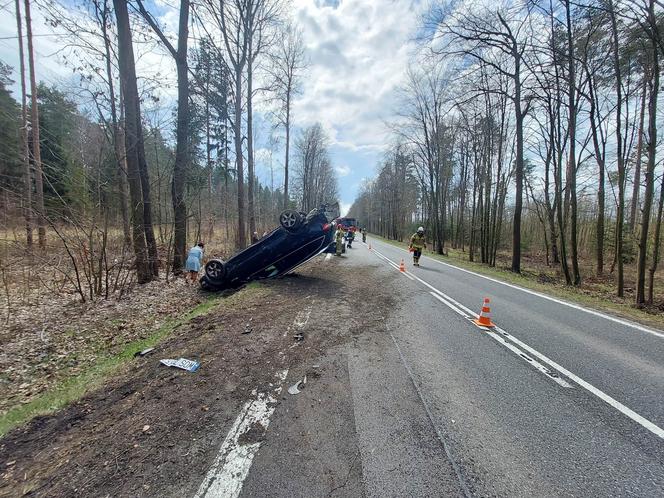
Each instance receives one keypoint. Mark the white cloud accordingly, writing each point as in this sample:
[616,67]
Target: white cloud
[358,51]
[342,170]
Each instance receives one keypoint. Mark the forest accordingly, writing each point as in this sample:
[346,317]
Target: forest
[105,185]
[529,131]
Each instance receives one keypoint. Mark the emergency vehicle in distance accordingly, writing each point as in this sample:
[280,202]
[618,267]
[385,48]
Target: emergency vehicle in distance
[348,224]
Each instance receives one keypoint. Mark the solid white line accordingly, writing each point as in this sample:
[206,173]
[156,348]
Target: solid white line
[509,346]
[449,305]
[658,431]
[551,375]
[395,266]
[647,424]
[231,466]
[614,319]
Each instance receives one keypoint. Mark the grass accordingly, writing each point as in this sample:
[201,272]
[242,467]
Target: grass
[596,297]
[73,388]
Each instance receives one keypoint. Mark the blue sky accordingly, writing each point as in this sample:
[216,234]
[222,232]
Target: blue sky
[357,51]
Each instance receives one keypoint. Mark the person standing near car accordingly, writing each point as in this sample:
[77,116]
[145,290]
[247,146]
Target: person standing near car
[194,262]
[339,237]
[417,245]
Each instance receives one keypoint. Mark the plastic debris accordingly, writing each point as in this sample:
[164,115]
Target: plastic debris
[295,388]
[299,337]
[144,352]
[183,363]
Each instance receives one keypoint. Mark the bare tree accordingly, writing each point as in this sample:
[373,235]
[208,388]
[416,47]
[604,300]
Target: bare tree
[620,146]
[182,149]
[651,28]
[24,146]
[134,147]
[496,39]
[262,16]
[103,17]
[287,63]
[231,18]
[316,180]
[36,144]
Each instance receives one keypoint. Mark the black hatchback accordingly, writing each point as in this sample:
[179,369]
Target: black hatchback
[299,238]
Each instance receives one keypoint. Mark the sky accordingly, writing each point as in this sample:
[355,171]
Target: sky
[357,51]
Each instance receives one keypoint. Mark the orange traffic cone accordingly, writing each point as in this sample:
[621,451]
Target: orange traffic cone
[484,320]
[402,266]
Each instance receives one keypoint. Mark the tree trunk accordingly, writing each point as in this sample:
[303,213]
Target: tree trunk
[518,201]
[656,243]
[133,138]
[571,164]
[237,125]
[36,144]
[637,167]
[24,147]
[148,229]
[118,145]
[286,199]
[250,142]
[650,173]
[621,160]
[182,143]
[601,194]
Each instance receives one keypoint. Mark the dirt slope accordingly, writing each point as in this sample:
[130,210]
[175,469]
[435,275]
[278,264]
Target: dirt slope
[151,430]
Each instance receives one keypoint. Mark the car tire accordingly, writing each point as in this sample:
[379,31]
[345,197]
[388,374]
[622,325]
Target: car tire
[290,220]
[215,271]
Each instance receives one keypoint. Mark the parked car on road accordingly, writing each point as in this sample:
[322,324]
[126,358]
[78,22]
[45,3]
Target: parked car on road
[299,238]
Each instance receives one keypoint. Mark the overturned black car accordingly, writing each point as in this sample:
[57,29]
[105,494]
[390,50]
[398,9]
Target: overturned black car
[299,238]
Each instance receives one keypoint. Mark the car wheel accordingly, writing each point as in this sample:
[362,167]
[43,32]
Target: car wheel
[290,220]
[215,271]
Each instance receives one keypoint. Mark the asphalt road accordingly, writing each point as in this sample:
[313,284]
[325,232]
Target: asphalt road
[556,401]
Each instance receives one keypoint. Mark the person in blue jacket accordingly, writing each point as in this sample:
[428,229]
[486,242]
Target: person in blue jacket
[194,261]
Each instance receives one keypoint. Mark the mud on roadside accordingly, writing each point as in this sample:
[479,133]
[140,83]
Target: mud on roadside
[151,430]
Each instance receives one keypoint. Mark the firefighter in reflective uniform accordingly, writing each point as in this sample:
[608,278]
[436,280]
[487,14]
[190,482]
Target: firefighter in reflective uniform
[417,245]
[339,239]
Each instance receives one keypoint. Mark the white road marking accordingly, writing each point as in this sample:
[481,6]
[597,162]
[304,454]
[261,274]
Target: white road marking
[647,424]
[658,431]
[302,318]
[231,466]
[614,319]
[395,266]
[552,375]
[449,305]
